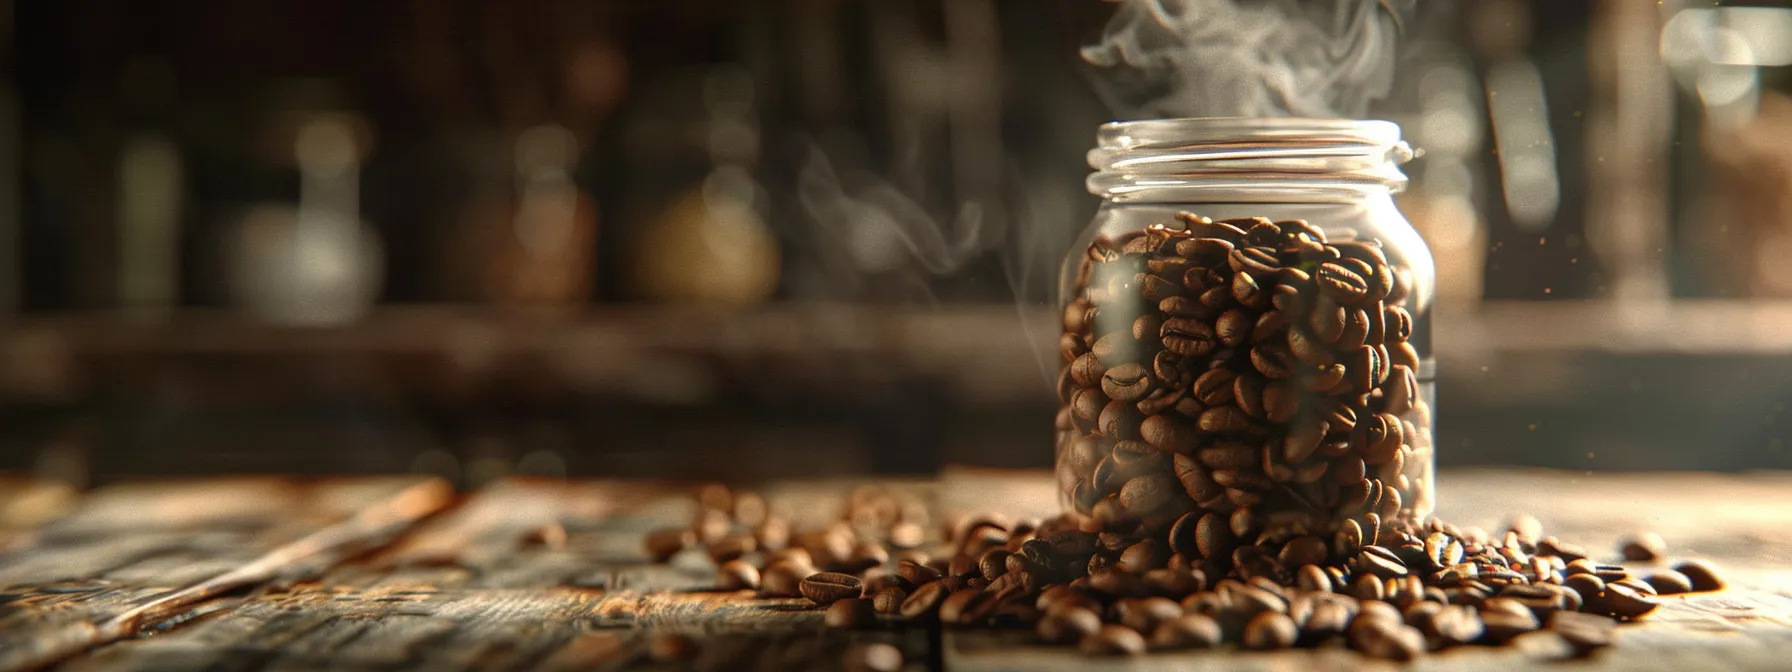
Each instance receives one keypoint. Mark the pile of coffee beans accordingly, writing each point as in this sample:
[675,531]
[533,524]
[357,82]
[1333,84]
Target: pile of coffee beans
[1396,590]
[1242,376]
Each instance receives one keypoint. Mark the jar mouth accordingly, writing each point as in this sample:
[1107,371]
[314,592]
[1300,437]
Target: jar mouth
[1175,159]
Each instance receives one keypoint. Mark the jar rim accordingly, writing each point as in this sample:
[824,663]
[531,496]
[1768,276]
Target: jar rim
[1178,159]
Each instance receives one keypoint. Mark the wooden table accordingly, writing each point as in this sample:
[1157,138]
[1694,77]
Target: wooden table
[402,573]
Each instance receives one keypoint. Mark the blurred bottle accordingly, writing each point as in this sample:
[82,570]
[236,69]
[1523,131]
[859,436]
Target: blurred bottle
[544,251]
[317,263]
[711,244]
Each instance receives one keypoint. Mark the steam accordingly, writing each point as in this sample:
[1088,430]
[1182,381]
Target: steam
[1247,58]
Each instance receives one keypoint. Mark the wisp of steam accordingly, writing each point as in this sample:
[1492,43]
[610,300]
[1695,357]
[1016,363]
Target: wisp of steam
[1247,58]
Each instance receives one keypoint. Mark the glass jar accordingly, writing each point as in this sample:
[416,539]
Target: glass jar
[1246,338]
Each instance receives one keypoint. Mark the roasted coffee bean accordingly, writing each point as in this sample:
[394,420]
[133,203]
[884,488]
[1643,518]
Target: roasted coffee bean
[1216,388]
[1501,623]
[1205,250]
[1442,550]
[993,563]
[1188,631]
[1087,370]
[1234,327]
[1670,582]
[917,573]
[925,601]
[1228,420]
[1308,349]
[1145,613]
[1113,640]
[889,600]
[1365,368]
[1247,394]
[661,545]
[1117,348]
[1068,625]
[1229,455]
[1154,289]
[1120,420]
[1341,283]
[1311,578]
[737,575]
[1398,324]
[1392,641]
[1627,603]
[1380,562]
[1169,434]
[1216,299]
[784,579]
[1303,551]
[964,606]
[1326,321]
[1642,547]
[1086,405]
[851,614]
[1127,382]
[1303,440]
[1368,587]
[1273,360]
[1196,480]
[1143,556]
[1260,262]
[1213,537]
[1259,231]
[1070,347]
[1403,354]
[826,588]
[1173,581]
[1356,330]
[1249,293]
[1270,630]
[1566,551]
[1182,306]
[1281,401]
[1186,336]
[1149,494]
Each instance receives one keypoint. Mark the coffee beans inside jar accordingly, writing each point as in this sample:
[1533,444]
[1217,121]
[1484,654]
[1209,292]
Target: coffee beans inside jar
[1252,370]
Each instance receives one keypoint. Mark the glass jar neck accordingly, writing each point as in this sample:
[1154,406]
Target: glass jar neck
[1245,160]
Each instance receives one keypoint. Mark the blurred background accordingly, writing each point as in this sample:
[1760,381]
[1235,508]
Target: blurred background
[709,239]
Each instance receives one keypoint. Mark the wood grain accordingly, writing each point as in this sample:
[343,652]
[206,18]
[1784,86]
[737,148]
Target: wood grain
[549,575]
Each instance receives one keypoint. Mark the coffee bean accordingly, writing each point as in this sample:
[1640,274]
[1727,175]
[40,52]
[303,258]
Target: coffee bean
[737,575]
[1229,455]
[1256,261]
[1326,321]
[1381,562]
[1144,614]
[1273,360]
[851,614]
[1308,349]
[1205,228]
[1154,289]
[1259,231]
[1234,327]
[661,545]
[1169,434]
[1120,420]
[1356,330]
[917,573]
[1365,367]
[1670,582]
[889,600]
[1304,551]
[1247,394]
[1148,494]
[1215,388]
[1504,620]
[1185,336]
[1627,603]
[1392,641]
[1087,370]
[1270,630]
[1401,391]
[1173,581]
[1215,299]
[1068,625]
[1204,250]
[1188,631]
[1182,306]
[1311,578]
[1228,420]
[1117,348]
[1127,382]
[1113,640]
[1213,537]
[784,579]
[1303,439]
[1403,354]
[1341,283]
[826,588]
[925,601]
[1143,556]
[1442,550]
[993,563]
[1196,481]
[1642,547]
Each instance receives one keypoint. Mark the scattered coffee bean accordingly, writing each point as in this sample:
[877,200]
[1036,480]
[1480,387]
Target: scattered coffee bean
[1669,582]
[825,588]
[1642,547]
[925,601]
[737,575]
[1701,575]
[851,614]
[1068,625]
[1113,640]
[1270,630]
[1584,632]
